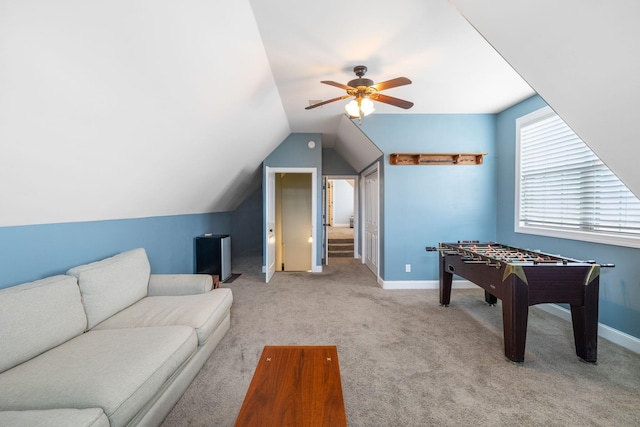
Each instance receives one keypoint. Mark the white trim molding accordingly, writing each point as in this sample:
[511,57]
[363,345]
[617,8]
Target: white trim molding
[607,332]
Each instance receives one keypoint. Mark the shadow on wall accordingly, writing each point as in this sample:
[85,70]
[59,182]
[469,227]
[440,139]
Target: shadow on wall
[246,226]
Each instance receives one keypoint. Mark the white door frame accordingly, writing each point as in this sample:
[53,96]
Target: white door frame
[270,201]
[375,168]
[356,217]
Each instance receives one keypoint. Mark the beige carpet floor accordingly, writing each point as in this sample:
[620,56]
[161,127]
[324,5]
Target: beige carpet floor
[406,361]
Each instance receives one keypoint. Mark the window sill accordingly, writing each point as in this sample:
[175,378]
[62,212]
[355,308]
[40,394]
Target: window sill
[603,238]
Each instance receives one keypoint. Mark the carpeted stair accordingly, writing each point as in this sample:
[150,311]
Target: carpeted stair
[340,247]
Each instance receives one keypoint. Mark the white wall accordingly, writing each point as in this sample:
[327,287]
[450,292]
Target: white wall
[342,202]
[124,109]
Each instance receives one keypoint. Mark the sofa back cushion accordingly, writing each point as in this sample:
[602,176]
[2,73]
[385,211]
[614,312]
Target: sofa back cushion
[38,316]
[112,284]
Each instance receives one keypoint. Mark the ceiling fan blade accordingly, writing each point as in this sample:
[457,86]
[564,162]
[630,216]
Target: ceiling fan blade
[397,102]
[326,102]
[336,84]
[400,81]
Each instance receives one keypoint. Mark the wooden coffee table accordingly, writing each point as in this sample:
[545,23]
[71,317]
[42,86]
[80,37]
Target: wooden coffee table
[296,386]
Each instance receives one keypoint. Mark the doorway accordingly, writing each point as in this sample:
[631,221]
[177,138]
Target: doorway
[293,222]
[291,216]
[340,217]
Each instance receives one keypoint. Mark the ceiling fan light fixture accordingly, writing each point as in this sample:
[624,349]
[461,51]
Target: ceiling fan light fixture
[360,107]
[352,108]
[367,107]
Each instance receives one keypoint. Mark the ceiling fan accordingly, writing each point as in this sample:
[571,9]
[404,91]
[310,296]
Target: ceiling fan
[364,91]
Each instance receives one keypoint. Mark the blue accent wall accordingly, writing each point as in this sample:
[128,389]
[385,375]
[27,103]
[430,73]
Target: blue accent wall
[619,286]
[33,252]
[424,205]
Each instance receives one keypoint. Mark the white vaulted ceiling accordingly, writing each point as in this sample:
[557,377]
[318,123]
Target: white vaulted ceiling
[127,109]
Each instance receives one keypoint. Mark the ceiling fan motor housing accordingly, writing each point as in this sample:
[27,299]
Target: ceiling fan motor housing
[360,82]
[360,71]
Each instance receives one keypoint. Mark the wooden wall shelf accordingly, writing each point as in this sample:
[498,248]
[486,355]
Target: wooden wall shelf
[436,158]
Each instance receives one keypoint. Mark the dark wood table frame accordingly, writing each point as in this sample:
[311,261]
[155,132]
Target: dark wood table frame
[520,285]
[295,386]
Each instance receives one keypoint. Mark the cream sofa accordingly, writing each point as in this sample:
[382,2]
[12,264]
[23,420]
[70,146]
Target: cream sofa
[107,344]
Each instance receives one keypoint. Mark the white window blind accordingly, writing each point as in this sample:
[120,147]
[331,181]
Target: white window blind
[564,186]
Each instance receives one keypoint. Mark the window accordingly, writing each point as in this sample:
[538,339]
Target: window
[564,190]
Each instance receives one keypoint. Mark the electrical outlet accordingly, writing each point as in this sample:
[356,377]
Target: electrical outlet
[407,268]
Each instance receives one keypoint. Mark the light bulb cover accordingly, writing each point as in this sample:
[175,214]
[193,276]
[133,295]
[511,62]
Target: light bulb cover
[352,108]
[366,106]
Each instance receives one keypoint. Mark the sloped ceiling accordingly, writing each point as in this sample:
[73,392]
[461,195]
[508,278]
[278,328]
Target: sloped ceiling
[132,108]
[582,58]
[354,146]
[126,109]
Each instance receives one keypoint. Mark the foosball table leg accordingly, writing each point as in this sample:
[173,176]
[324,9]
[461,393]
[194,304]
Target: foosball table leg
[515,312]
[585,324]
[446,280]
[490,299]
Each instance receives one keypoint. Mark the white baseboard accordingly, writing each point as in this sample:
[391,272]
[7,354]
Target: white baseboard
[607,332]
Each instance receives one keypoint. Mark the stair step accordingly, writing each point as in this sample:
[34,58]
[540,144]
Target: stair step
[340,254]
[344,247]
[341,247]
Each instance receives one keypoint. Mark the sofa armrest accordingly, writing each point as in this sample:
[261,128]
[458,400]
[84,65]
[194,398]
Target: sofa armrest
[179,284]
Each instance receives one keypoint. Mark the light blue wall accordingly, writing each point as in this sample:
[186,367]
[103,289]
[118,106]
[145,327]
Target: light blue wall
[294,152]
[619,286]
[425,205]
[32,252]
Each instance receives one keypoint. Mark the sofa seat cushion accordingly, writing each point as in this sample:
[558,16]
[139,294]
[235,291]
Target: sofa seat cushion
[117,370]
[112,284]
[203,312]
[37,316]
[91,417]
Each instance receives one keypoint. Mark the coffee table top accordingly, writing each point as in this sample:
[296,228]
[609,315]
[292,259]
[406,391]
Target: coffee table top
[297,386]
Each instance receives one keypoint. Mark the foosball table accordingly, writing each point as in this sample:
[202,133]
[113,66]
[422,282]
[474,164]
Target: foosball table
[521,278]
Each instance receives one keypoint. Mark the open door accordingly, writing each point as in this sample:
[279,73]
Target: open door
[270,224]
